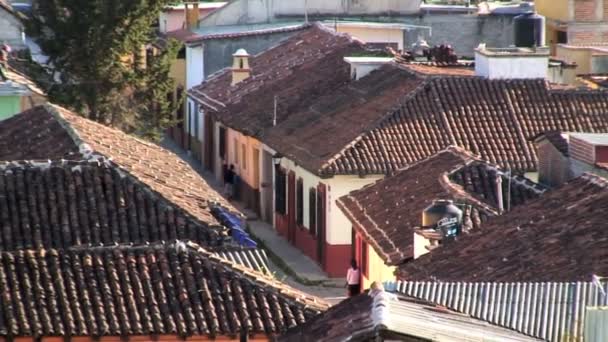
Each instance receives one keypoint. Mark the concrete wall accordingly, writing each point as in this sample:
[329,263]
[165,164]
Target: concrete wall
[553,166]
[599,64]
[339,228]
[260,11]
[11,30]
[218,52]
[374,35]
[554,9]
[511,67]
[195,67]
[463,32]
[577,168]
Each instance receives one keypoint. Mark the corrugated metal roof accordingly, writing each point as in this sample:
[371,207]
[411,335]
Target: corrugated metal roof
[253,258]
[549,311]
[424,321]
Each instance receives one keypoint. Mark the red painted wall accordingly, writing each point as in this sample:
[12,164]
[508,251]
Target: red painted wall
[281,224]
[306,243]
[601,154]
[337,260]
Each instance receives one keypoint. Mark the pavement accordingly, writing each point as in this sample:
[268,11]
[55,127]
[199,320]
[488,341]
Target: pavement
[297,269]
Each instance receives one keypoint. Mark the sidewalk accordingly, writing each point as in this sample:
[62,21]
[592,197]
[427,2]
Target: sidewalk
[307,275]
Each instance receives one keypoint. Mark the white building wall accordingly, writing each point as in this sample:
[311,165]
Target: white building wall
[338,227]
[374,34]
[339,230]
[195,72]
[515,67]
[309,180]
[260,11]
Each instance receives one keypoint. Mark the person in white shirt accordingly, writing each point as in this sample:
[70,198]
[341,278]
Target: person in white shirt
[353,279]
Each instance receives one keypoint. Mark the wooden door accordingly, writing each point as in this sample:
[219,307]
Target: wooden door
[209,146]
[291,207]
[321,224]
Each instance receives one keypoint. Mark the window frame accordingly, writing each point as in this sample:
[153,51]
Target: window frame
[300,202]
[280,191]
[312,210]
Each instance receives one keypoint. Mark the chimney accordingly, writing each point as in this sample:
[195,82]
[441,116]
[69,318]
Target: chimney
[240,66]
[499,196]
[192,14]
[512,63]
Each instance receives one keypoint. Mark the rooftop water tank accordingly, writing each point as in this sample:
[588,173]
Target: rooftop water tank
[529,30]
[443,215]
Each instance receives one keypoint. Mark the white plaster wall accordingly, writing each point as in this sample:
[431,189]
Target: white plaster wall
[295,7]
[195,73]
[339,230]
[309,180]
[259,11]
[511,67]
[374,34]
[338,227]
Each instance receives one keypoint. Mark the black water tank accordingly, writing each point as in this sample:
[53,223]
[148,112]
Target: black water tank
[529,30]
[443,215]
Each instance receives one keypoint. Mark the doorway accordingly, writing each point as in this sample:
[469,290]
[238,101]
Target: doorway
[291,207]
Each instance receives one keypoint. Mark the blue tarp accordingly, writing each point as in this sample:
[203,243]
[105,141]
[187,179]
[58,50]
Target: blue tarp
[236,226]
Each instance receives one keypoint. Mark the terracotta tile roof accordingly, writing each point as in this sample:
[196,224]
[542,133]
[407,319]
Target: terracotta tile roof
[386,213]
[63,204]
[494,118]
[55,133]
[558,237]
[382,315]
[296,72]
[239,31]
[315,135]
[436,69]
[175,289]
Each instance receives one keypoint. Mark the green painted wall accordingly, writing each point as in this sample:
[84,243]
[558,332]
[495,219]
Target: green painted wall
[9,106]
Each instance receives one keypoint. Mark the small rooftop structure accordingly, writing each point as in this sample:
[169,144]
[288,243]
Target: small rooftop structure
[511,63]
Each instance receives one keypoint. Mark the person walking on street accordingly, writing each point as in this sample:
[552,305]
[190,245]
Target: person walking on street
[229,182]
[353,279]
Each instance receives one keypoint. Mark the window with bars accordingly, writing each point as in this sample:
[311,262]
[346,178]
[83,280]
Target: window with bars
[312,211]
[300,202]
[280,192]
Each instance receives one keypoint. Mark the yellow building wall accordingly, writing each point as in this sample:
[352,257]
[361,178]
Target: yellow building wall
[553,9]
[377,270]
[580,56]
[244,164]
[178,72]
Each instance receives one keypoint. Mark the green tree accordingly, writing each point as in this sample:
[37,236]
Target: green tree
[95,48]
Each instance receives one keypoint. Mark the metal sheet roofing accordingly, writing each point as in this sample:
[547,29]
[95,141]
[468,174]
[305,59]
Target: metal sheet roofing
[549,311]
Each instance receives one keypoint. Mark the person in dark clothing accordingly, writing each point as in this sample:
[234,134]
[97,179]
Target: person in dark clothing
[353,279]
[229,181]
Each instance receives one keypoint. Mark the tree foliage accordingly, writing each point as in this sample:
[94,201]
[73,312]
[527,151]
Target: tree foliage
[98,50]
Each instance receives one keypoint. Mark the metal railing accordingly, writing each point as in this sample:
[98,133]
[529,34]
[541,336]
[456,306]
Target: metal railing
[550,311]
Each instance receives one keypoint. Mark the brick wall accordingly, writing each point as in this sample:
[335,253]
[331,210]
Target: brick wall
[605,10]
[587,36]
[585,10]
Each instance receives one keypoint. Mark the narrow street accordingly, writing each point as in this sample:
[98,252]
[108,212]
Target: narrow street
[305,268]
